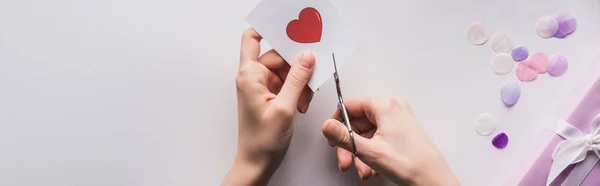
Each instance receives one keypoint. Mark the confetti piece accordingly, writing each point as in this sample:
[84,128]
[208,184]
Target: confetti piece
[510,94]
[502,63]
[539,62]
[546,27]
[520,53]
[566,25]
[502,42]
[500,141]
[558,65]
[525,73]
[477,33]
[485,124]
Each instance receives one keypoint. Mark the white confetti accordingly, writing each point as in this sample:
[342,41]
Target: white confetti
[502,63]
[477,33]
[502,42]
[485,124]
[546,26]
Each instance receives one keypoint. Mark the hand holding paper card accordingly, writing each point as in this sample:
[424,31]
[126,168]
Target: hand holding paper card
[294,26]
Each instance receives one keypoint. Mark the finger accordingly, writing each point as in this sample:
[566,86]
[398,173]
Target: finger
[272,60]
[364,171]
[375,173]
[369,133]
[304,100]
[366,134]
[362,124]
[355,107]
[344,159]
[297,78]
[337,133]
[359,124]
[250,48]
[251,77]
[371,108]
[283,72]
[274,83]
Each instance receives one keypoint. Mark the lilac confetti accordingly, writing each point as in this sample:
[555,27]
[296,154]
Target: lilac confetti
[566,25]
[558,65]
[500,141]
[520,53]
[510,94]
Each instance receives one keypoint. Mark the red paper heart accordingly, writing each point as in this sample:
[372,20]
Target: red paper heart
[307,28]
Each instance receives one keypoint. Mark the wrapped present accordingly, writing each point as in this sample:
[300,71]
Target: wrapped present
[570,158]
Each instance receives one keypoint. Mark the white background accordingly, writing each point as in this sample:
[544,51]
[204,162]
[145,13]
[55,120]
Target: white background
[141,92]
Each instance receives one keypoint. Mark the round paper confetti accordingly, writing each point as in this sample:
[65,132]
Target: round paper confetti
[502,63]
[477,33]
[524,73]
[560,35]
[485,124]
[502,42]
[500,141]
[566,24]
[510,94]
[546,27]
[520,53]
[558,65]
[539,62]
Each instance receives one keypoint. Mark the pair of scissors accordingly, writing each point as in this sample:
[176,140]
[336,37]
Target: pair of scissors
[342,107]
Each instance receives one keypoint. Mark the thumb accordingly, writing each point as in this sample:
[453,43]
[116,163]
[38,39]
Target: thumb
[337,134]
[296,80]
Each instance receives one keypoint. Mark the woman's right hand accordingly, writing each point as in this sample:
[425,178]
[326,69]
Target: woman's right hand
[391,142]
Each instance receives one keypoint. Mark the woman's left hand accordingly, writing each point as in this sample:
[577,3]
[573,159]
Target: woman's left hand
[269,92]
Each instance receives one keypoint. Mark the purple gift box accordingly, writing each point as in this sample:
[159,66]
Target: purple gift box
[581,118]
[580,109]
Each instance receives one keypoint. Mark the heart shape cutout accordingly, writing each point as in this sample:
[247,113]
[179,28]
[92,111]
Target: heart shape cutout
[307,28]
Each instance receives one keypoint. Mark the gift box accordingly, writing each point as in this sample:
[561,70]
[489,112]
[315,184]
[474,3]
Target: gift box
[571,151]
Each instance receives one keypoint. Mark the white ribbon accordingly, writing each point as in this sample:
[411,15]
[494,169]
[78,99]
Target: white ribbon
[575,148]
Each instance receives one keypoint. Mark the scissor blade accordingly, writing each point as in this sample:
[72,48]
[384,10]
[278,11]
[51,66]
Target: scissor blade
[334,64]
[337,79]
[343,110]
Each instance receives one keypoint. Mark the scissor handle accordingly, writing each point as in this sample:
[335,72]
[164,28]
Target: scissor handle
[346,121]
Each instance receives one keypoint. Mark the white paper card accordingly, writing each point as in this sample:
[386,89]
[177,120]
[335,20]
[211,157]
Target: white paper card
[292,27]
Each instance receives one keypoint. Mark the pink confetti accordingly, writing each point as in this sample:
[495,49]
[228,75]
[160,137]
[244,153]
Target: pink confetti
[539,62]
[525,73]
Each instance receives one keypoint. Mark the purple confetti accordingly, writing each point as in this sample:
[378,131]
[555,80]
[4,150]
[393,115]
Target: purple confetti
[566,25]
[520,53]
[560,35]
[510,94]
[558,65]
[500,141]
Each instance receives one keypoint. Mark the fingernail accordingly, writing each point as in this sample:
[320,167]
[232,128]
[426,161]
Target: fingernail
[360,175]
[305,108]
[340,167]
[307,59]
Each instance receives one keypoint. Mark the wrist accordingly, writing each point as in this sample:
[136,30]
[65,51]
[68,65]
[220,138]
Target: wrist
[432,172]
[250,171]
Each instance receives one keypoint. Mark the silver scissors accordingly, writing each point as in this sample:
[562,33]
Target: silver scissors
[342,107]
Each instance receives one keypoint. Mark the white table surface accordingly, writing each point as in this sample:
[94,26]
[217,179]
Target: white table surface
[141,92]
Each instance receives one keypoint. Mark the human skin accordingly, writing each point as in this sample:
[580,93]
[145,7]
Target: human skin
[390,140]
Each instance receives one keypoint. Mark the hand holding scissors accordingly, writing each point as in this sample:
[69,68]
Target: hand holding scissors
[342,107]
